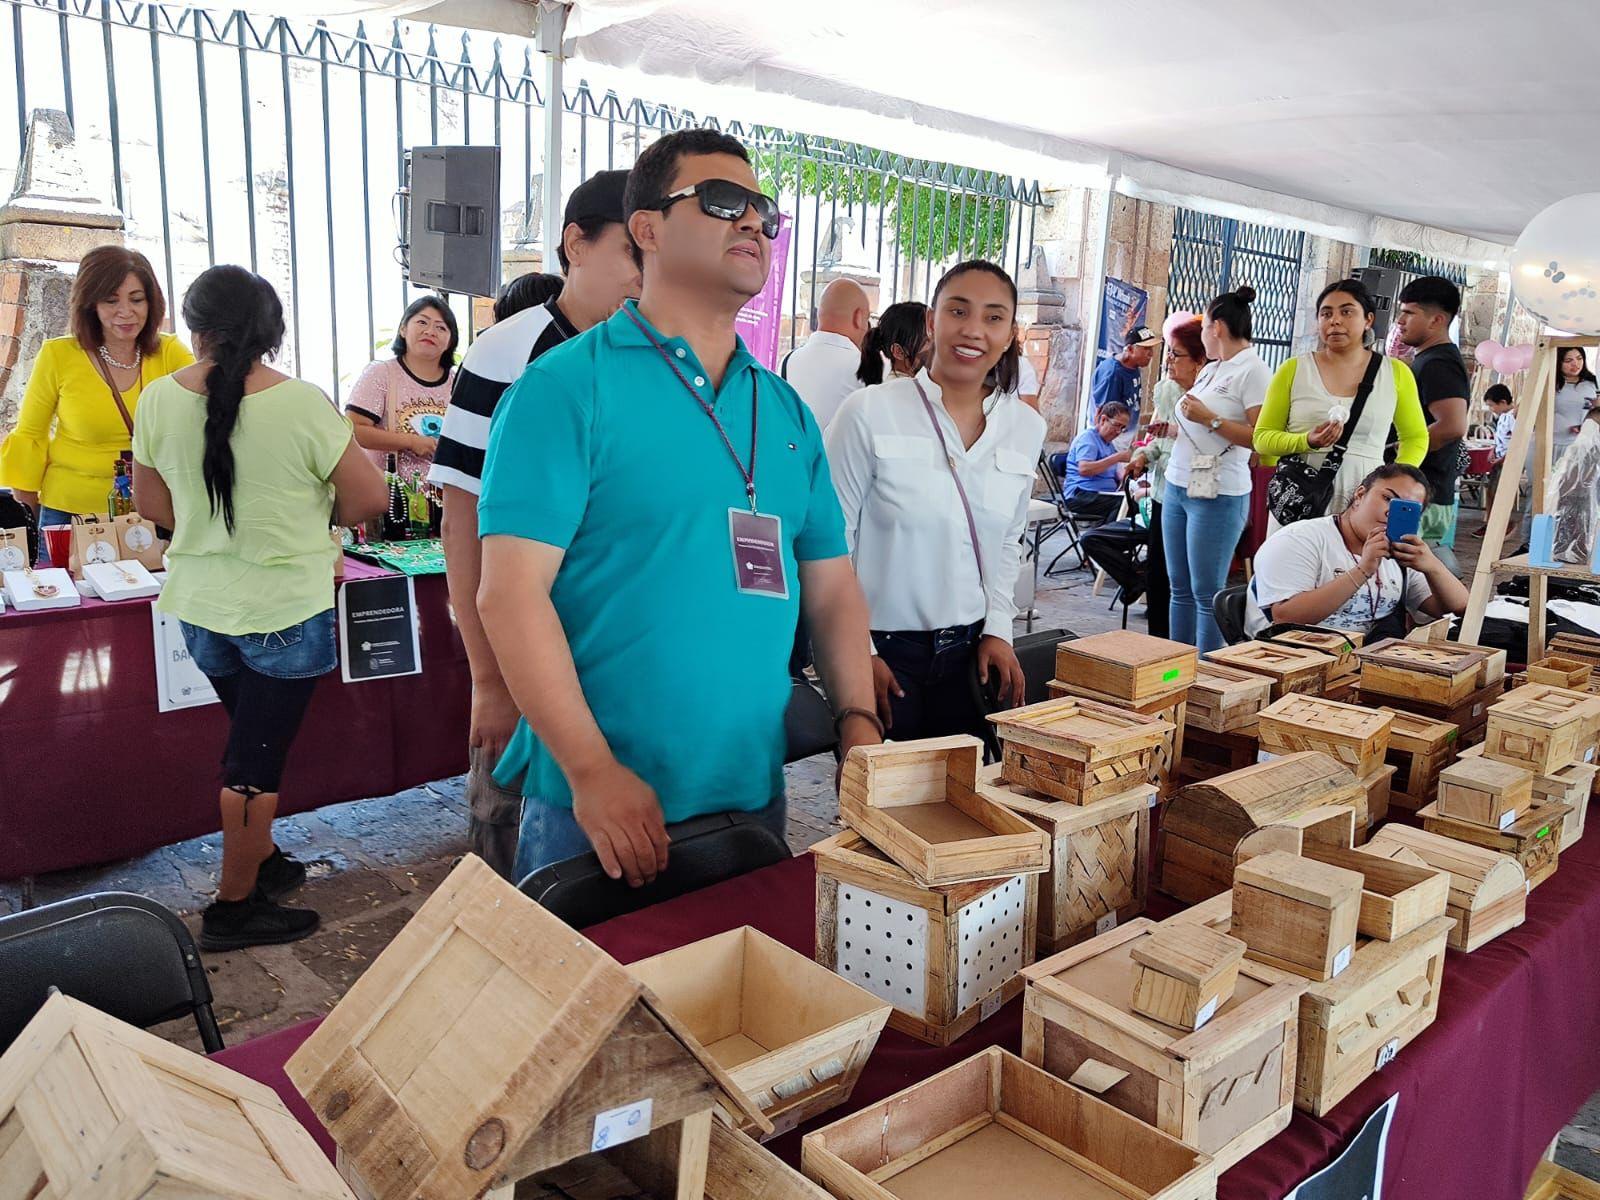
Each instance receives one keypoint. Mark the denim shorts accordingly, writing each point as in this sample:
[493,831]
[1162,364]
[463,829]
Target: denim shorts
[301,651]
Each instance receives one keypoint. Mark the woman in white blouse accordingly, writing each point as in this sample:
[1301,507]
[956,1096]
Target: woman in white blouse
[934,473]
[1208,479]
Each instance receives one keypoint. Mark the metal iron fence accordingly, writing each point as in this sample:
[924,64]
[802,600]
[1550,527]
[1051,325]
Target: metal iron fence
[228,137]
[1212,255]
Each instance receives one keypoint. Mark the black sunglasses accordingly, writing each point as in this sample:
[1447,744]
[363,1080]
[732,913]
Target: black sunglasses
[727,201]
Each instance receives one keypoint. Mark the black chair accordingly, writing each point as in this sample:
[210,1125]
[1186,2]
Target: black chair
[1122,550]
[1065,519]
[807,723]
[124,954]
[1037,654]
[1228,607]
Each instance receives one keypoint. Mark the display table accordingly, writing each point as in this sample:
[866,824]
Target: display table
[90,771]
[1513,1054]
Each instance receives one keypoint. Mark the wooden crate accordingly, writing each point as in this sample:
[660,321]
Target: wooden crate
[1560,672]
[489,1042]
[1274,805]
[918,803]
[1469,716]
[1291,668]
[1551,1182]
[1397,896]
[1488,891]
[1357,737]
[1372,809]
[1171,707]
[1419,748]
[1484,791]
[996,1126]
[92,1107]
[1296,913]
[1129,666]
[1077,750]
[1542,728]
[1224,699]
[1225,1089]
[1099,858]
[1434,673]
[1339,644]
[1184,975]
[792,1034]
[1207,755]
[1533,839]
[1572,785]
[910,945]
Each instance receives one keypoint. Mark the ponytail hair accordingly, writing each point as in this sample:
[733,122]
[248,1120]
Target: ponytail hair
[903,325]
[237,320]
[1232,311]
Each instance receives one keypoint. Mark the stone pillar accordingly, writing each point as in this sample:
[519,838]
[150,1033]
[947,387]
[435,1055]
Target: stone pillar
[1322,262]
[52,220]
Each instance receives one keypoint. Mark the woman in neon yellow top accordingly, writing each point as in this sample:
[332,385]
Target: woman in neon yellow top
[1311,396]
[61,457]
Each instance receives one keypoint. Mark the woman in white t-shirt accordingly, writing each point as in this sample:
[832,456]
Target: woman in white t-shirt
[1208,478]
[1345,573]
[1575,396]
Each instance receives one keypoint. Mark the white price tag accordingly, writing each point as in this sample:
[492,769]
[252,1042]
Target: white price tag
[1341,960]
[1265,756]
[991,1004]
[618,1125]
[1588,755]
[1508,819]
[1105,924]
[1387,1052]
[1206,1013]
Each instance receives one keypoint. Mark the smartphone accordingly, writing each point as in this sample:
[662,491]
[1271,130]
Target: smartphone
[1405,518]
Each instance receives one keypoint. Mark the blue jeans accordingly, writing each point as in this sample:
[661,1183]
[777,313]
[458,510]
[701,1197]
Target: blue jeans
[301,651]
[550,834]
[50,516]
[1199,537]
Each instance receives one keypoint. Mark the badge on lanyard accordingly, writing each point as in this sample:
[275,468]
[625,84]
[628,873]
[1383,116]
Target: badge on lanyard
[757,541]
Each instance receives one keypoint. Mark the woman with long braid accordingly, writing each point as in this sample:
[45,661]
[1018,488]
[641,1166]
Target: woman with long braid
[247,466]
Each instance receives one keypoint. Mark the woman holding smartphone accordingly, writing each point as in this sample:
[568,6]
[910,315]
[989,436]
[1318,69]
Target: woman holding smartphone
[1186,354]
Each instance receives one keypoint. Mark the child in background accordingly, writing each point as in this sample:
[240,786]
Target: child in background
[1499,403]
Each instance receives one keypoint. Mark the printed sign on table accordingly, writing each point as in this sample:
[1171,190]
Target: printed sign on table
[378,629]
[1357,1174]
[179,683]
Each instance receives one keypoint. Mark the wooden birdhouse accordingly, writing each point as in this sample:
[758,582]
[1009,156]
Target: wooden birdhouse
[490,1042]
[1488,890]
[1077,750]
[1126,666]
[1357,737]
[1290,668]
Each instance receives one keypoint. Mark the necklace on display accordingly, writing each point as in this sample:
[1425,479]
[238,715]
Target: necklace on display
[41,589]
[122,366]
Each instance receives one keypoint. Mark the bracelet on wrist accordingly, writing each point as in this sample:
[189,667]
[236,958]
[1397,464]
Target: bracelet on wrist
[865,714]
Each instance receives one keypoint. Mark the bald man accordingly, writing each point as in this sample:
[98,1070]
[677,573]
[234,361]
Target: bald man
[823,368]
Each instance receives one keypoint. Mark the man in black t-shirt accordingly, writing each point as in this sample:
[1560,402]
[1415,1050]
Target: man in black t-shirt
[1427,307]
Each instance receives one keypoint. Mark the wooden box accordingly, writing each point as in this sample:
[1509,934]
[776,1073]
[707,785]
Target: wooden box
[1170,707]
[1225,1089]
[1541,727]
[1486,792]
[1207,755]
[1533,839]
[913,945]
[1185,974]
[1291,668]
[1077,750]
[1130,666]
[792,1034]
[996,1126]
[1357,737]
[1561,672]
[1469,716]
[1396,896]
[490,1042]
[1338,644]
[1099,858]
[1225,699]
[1435,673]
[1488,891]
[917,802]
[1297,914]
[1372,809]
[1551,1182]
[1419,748]
[1572,785]
[1275,805]
[92,1107]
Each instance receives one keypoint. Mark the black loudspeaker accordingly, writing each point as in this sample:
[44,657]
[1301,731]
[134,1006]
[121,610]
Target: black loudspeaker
[1385,284]
[453,229]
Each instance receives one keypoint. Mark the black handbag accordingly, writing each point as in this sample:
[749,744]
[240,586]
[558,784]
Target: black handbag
[1298,491]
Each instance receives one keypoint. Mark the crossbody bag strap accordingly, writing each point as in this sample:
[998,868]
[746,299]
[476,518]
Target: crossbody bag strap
[105,373]
[944,448]
[1336,451]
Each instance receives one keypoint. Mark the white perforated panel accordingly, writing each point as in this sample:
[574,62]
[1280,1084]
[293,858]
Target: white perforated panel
[991,942]
[882,945]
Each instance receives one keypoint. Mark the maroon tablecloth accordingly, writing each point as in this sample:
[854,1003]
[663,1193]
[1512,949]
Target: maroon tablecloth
[1513,1054]
[90,771]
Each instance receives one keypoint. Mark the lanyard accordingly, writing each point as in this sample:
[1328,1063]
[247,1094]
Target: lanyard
[749,476]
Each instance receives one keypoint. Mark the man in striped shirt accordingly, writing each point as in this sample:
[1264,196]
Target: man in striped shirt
[597,260]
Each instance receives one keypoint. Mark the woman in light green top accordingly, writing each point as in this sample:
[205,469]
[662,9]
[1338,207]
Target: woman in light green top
[247,466]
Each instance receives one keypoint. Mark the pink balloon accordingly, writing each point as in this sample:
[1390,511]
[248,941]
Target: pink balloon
[1486,350]
[1523,357]
[1504,361]
[1175,319]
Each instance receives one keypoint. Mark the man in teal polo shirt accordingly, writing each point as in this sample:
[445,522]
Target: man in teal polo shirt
[656,512]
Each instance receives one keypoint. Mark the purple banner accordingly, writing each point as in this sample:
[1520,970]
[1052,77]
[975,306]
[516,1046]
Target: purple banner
[758,321]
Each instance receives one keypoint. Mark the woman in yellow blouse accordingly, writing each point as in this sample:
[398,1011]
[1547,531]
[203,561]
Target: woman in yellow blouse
[77,412]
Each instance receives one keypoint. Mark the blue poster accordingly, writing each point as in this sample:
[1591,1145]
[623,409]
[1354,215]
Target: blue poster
[1123,310]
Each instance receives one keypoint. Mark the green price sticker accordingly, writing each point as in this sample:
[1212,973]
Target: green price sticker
[1171,675]
[1452,735]
[1545,832]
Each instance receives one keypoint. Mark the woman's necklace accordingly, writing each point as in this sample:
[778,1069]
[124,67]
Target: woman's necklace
[122,366]
[41,589]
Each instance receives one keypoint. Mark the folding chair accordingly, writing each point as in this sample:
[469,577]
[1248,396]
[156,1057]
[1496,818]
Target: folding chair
[1066,519]
[1228,607]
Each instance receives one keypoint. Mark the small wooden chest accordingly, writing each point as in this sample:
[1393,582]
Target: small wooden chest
[1297,914]
[1356,737]
[1534,839]
[1225,699]
[1486,792]
[1469,716]
[1129,666]
[1171,707]
[1291,668]
[1339,644]
[1573,785]
[1542,728]
[1077,750]
[1434,673]
[1488,890]
[1184,974]
[1419,748]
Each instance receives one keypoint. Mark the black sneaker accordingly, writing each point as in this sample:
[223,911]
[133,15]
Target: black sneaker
[279,874]
[254,921]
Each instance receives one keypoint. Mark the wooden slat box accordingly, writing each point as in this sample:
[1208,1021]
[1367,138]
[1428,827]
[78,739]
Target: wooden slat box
[1469,716]
[1419,748]
[1207,755]
[1296,913]
[791,1033]
[489,1041]
[1434,673]
[1572,785]
[1225,1089]
[1357,737]
[1373,807]
[1397,896]
[1291,668]
[1099,858]
[1560,672]
[1488,891]
[1534,839]
[92,1107]
[1130,666]
[1171,707]
[1541,727]
[1484,791]
[1209,824]
[918,803]
[996,1126]
[1077,750]
[1185,974]
[913,945]
[1339,644]
[1224,699]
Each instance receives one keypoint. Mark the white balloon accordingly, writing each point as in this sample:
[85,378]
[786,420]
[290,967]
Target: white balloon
[1555,267]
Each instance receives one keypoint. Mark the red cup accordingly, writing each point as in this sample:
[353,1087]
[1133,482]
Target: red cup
[58,544]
